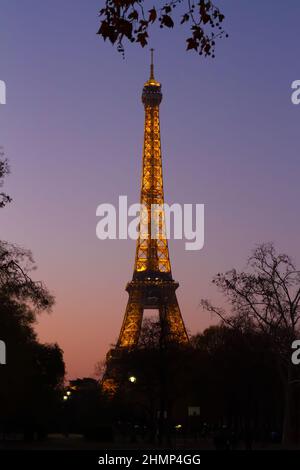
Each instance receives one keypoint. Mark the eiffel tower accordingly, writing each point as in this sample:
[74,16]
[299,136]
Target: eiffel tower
[152,285]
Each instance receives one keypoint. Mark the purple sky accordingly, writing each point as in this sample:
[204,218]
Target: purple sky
[72,129]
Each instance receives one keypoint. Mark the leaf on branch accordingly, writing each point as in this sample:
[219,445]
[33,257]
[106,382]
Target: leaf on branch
[192,44]
[124,27]
[104,30]
[197,32]
[185,18]
[205,18]
[133,15]
[107,31]
[142,38]
[167,21]
[167,9]
[152,15]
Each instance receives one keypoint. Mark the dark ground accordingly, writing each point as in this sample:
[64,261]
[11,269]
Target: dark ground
[77,442]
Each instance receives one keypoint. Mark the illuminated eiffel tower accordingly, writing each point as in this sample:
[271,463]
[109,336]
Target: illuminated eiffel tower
[152,285]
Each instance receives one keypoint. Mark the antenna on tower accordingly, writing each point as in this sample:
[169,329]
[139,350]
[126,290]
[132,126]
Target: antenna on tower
[152,66]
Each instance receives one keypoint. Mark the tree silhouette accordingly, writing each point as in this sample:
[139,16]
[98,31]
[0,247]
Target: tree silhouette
[32,377]
[231,374]
[4,170]
[236,380]
[16,264]
[131,20]
[159,365]
[267,298]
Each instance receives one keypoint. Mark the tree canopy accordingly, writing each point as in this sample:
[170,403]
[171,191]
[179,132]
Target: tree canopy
[130,20]
[266,298]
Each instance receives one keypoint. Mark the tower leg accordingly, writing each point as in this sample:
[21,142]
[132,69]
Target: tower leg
[132,322]
[174,321]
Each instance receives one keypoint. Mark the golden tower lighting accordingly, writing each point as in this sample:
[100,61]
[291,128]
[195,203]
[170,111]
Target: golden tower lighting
[152,285]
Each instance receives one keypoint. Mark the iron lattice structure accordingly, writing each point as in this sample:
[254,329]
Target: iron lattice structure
[152,285]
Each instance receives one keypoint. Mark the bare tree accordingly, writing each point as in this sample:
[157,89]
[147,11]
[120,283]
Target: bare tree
[267,298]
[16,265]
[4,170]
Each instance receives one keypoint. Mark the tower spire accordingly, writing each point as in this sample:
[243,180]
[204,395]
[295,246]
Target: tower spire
[152,65]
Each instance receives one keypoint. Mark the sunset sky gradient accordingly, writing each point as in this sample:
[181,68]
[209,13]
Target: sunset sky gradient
[72,129]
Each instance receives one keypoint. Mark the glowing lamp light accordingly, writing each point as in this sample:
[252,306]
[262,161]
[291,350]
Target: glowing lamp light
[65,397]
[132,379]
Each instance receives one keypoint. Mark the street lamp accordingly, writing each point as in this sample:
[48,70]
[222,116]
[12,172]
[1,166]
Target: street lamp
[132,379]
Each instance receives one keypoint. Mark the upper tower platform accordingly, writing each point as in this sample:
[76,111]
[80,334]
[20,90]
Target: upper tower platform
[152,94]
